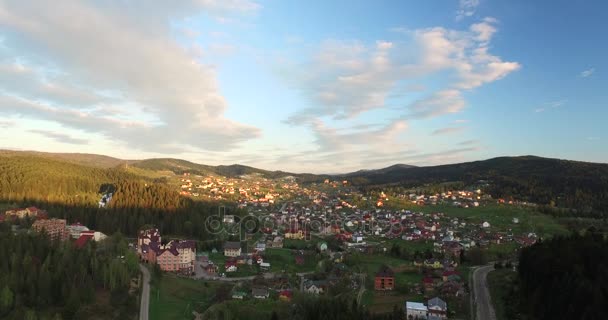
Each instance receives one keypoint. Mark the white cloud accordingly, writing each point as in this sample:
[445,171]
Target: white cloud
[439,103]
[466,8]
[550,105]
[4,124]
[332,139]
[347,78]
[586,73]
[117,56]
[448,130]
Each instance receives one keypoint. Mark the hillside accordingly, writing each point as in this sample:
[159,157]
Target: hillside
[85,159]
[368,172]
[564,183]
[571,184]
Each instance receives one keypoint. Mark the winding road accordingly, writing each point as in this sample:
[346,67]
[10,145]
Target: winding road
[145,294]
[485,310]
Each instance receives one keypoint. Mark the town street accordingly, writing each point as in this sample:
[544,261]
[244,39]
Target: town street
[485,310]
[145,293]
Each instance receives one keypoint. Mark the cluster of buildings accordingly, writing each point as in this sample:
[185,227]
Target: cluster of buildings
[59,229]
[247,190]
[435,309]
[56,229]
[175,256]
[30,212]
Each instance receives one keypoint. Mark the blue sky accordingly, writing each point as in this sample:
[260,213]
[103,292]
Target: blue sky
[306,86]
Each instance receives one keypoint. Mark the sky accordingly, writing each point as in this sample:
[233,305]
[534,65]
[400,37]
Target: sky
[306,86]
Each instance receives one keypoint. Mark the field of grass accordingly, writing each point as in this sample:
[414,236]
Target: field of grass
[284,259]
[501,217]
[412,246]
[499,282]
[384,302]
[176,298]
[248,309]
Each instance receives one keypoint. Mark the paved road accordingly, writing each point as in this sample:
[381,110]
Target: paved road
[485,310]
[145,294]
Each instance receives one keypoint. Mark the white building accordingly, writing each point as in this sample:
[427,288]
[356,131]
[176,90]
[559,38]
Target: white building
[438,309]
[415,309]
[76,229]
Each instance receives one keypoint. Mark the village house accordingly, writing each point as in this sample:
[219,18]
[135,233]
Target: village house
[232,249]
[260,293]
[25,212]
[54,228]
[294,234]
[315,287]
[211,268]
[275,242]
[437,309]
[385,279]
[415,310]
[239,295]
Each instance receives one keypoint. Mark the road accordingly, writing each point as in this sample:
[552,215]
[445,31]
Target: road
[201,274]
[145,294]
[361,288]
[485,310]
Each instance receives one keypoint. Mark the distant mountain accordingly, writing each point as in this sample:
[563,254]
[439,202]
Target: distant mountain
[572,184]
[365,172]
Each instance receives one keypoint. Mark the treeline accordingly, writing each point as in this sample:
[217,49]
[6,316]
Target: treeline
[189,220]
[308,307]
[565,278]
[42,279]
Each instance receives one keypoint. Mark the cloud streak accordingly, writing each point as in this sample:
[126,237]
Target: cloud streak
[448,130]
[60,137]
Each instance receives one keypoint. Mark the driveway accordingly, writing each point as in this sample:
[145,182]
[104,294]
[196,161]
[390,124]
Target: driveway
[485,310]
[145,294]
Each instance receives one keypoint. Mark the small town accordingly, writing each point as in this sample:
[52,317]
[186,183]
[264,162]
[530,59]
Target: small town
[330,239]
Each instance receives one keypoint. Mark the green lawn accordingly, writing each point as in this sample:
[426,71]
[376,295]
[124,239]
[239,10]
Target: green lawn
[176,298]
[499,282]
[284,259]
[501,217]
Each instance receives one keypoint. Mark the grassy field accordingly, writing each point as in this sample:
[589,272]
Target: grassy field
[501,217]
[499,282]
[176,298]
[284,259]
[384,302]
[249,309]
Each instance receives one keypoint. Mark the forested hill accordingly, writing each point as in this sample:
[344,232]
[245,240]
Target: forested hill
[571,184]
[178,166]
[85,159]
[27,178]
